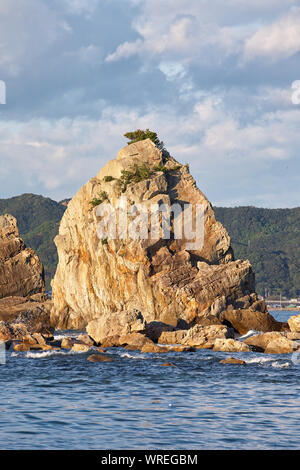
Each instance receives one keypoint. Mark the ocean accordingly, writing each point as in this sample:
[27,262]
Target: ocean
[60,400]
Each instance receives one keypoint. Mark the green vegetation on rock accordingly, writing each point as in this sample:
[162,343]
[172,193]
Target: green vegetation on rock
[139,134]
[96,201]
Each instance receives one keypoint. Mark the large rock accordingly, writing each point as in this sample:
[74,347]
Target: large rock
[245,320]
[294,323]
[115,324]
[272,342]
[165,279]
[21,271]
[230,345]
[206,336]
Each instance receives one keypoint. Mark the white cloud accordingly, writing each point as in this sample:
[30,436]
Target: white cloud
[220,149]
[279,39]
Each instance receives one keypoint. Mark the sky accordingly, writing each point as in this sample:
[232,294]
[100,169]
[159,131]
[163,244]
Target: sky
[219,81]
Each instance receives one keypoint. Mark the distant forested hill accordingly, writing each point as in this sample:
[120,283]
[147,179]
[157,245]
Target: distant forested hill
[38,221]
[270,239]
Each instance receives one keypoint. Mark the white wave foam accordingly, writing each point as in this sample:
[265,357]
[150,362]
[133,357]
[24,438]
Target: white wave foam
[39,355]
[131,356]
[249,333]
[259,360]
[280,365]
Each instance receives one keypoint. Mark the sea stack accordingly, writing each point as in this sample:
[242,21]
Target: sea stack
[21,271]
[162,278]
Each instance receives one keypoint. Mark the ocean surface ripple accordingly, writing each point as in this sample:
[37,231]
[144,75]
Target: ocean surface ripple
[60,400]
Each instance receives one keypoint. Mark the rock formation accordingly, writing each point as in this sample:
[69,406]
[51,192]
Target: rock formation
[162,278]
[24,307]
[21,271]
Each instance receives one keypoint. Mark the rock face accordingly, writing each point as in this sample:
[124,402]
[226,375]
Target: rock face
[230,345]
[21,271]
[163,278]
[117,323]
[24,307]
[294,323]
[244,320]
[273,342]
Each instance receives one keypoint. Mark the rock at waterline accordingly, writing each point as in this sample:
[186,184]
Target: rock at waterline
[21,271]
[294,323]
[232,360]
[99,358]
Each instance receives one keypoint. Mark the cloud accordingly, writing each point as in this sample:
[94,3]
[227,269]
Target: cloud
[280,39]
[178,36]
[81,73]
[226,156]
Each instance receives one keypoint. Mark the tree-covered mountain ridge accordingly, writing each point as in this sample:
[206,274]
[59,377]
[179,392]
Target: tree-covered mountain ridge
[269,238]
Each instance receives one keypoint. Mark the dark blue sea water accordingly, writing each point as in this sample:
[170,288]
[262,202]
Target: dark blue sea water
[59,400]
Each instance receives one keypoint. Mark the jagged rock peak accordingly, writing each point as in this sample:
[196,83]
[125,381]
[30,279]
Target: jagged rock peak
[164,278]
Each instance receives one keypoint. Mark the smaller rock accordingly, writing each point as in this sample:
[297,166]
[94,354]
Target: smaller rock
[172,337]
[21,347]
[280,346]
[101,350]
[5,332]
[99,358]
[134,341]
[278,341]
[111,342]
[232,360]
[39,338]
[30,340]
[294,323]
[181,348]
[153,348]
[204,337]
[67,343]
[292,335]
[85,339]
[155,329]
[116,323]
[78,347]
[230,345]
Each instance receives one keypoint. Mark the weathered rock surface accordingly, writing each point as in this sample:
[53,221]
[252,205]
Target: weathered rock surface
[21,271]
[134,341]
[99,358]
[167,280]
[232,360]
[24,307]
[115,324]
[206,336]
[230,345]
[67,343]
[80,347]
[272,342]
[294,323]
[245,320]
